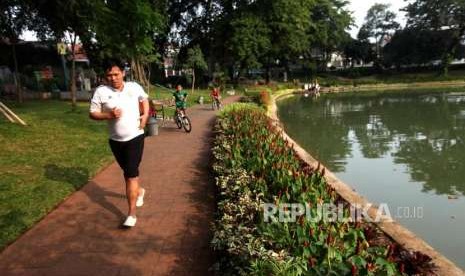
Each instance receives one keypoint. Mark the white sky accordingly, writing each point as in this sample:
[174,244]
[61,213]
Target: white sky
[28,36]
[360,8]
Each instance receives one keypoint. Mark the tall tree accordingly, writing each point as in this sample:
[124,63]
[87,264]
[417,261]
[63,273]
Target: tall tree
[249,41]
[260,32]
[289,22]
[379,23]
[196,22]
[412,46]
[13,20]
[195,61]
[358,50]
[128,29]
[440,15]
[328,31]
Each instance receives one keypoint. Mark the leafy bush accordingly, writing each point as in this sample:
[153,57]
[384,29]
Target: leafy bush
[265,98]
[260,96]
[255,165]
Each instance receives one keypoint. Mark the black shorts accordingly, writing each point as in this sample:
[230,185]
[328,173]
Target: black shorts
[128,154]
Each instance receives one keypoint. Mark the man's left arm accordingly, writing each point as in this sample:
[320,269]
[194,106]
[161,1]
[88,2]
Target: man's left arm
[145,113]
[143,107]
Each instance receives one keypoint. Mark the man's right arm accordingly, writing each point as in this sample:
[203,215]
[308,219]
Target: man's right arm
[96,112]
[101,115]
[115,113]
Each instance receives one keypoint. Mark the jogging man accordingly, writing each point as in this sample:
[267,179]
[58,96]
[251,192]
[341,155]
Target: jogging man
[125,106]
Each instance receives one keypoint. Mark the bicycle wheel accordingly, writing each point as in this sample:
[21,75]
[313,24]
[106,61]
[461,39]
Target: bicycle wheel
[178,121]
[213,104]
[186,123]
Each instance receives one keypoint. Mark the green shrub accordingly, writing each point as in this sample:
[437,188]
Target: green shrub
[255,165]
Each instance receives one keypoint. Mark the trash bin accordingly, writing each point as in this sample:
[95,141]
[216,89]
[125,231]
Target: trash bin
[201,100]
[152,126]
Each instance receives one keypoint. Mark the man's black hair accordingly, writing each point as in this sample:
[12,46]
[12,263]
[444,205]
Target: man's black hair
[110,63]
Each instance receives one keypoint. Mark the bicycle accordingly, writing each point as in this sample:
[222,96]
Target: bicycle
[216,103]
[182,120]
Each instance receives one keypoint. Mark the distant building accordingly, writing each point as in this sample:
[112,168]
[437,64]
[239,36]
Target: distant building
[169,61]
[336,61]
[80,53]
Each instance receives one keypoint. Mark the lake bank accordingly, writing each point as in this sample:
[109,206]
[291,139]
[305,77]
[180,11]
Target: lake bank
[392,229]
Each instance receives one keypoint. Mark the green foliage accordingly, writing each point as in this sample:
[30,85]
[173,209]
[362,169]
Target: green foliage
[288,22]
[13,19]
[437,15]
[244,35]
[195,59]
[330,22]
[118,35]
[255,165]
[249,41]
[75,17]
[416,46]
[359,50]
[379,22]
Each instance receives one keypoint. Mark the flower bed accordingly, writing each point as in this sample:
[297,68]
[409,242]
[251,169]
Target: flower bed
[256,166]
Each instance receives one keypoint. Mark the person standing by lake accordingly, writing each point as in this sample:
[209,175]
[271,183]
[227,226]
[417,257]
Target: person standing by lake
[125,106]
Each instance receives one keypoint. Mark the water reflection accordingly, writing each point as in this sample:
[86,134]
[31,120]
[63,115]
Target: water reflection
[424,132]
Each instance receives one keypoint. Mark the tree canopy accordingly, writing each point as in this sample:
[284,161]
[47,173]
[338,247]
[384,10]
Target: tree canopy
[438,15]
[254,34]
[379,23]
[195,61]
[233,35]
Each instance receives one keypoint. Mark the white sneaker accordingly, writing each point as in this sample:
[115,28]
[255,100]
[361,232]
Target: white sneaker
[140,198]
[130,221]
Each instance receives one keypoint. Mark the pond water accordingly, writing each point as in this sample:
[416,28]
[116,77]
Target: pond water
[405,150]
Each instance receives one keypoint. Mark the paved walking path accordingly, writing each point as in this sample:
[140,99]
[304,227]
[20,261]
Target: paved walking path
[82,236]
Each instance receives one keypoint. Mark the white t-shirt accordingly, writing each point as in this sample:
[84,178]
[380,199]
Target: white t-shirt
[106,98]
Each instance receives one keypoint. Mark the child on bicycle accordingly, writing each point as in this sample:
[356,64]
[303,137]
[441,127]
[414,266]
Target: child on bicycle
[180,99]
[215,94]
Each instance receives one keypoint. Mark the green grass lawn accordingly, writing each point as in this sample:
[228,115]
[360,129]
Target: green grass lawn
[46,161]
[387,78]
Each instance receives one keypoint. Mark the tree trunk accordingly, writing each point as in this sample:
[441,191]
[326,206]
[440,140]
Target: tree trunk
[268,74]
[193,80]
[16,77]
[138,71]
[451,50]
[445,64]
[287,71]
[232,77]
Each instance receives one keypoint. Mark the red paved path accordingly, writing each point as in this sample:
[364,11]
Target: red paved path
[82,236]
